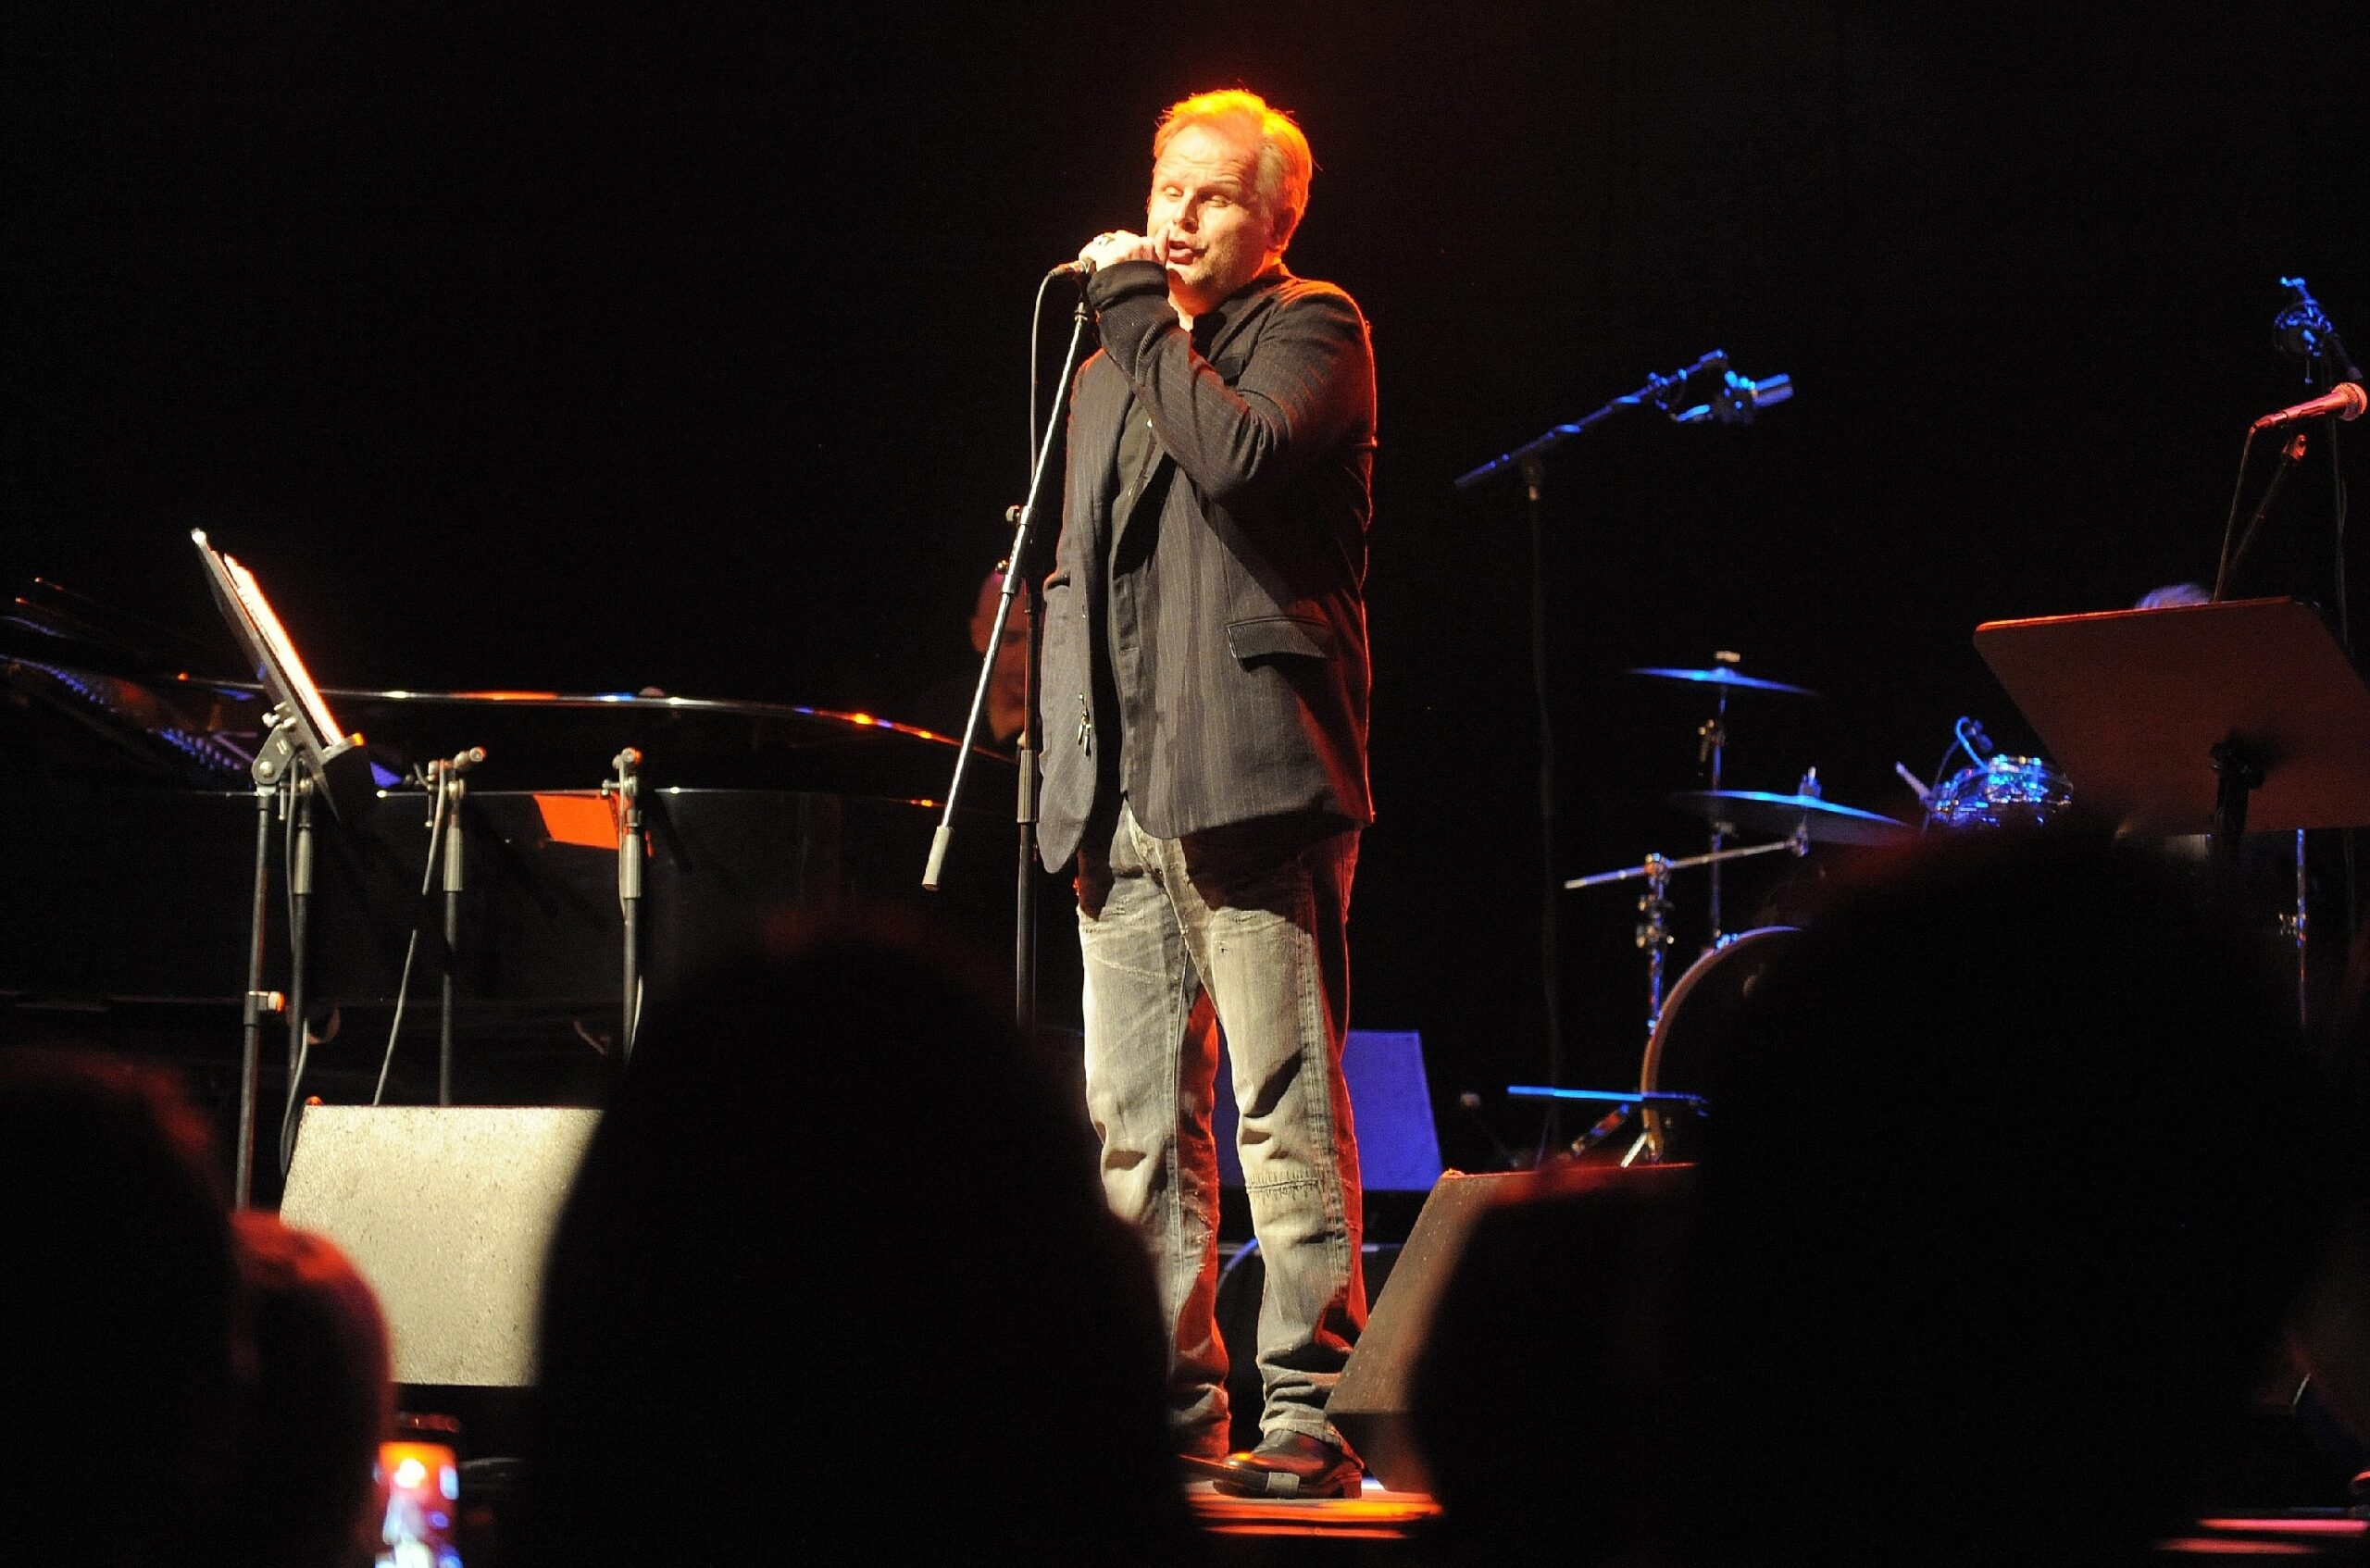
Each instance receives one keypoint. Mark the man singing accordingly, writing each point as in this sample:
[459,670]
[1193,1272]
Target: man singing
[1205,715]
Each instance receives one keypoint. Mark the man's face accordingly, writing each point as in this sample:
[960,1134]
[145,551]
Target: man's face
[1205,189]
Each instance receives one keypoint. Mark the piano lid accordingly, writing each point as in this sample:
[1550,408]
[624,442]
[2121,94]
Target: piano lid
[102,729]
[104,697]
[536,740]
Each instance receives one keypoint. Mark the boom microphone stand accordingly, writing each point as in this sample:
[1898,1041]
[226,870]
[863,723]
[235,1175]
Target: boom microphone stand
[1734,402]
[1024,978]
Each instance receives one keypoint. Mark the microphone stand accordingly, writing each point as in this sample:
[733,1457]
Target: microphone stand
[1660,391]
[1024,986]
[1024,938]
[300,901]
[272,769]
[2304,332]
[626,789]
[2290,455]
[445,774]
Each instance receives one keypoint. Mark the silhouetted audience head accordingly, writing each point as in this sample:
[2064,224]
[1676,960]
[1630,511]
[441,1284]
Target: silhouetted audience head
[319,1399]
[2015,1169]
[837,1269]
[2010,1168]
[120,1378]
[1544,1399]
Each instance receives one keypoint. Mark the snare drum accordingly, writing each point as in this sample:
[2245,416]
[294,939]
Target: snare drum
[2005,792]
[1697,1029]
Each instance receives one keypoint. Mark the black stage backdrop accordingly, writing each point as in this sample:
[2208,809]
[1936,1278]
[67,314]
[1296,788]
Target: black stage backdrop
[535,348]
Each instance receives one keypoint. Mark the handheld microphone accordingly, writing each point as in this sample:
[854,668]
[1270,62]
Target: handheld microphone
[2346,400]
[1080,269]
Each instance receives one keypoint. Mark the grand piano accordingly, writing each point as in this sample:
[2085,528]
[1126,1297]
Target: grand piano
[125,788]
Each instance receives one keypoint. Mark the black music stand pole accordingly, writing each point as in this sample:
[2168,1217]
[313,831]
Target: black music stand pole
[270,771]
[300,919]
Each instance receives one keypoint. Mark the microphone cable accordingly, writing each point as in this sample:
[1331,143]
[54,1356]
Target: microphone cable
[411,948]
[1036,352]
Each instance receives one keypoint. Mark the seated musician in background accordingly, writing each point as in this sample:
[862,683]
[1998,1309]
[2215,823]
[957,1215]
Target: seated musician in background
[948,700]
[1008,686]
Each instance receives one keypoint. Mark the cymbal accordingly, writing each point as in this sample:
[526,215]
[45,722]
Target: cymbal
[1760,812]
[1721,674]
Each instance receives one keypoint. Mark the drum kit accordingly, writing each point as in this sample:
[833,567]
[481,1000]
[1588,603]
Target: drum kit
[1685,1028]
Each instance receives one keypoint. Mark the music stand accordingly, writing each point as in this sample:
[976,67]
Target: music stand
[2196,717]
[302,753]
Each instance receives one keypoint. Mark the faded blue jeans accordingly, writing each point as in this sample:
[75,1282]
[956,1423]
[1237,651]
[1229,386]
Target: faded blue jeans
[1254,918]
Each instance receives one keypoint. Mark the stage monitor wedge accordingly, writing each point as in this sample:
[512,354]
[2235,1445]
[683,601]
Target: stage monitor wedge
[448,1212]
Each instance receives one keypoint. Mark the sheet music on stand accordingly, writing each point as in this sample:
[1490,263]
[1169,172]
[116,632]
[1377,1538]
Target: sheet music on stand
[306,726]
[2245,714]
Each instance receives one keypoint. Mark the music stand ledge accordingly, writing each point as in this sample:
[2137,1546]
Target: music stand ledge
[2197,717]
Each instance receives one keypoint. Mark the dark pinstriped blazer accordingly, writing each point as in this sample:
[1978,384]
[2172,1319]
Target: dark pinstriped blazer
[1205,636]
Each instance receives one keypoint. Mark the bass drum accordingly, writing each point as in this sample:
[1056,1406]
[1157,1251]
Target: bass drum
[1697,1029]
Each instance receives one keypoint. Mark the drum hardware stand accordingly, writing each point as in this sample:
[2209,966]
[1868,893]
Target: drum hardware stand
[1654,934]
[625,789]
[1713,739]
[2296,927]
[1625,1104]
[1656,938]
[1016,573]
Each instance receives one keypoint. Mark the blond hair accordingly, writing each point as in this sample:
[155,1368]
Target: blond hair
[1285,162]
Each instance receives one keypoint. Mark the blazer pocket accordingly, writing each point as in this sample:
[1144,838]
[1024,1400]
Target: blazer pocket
[1270,637]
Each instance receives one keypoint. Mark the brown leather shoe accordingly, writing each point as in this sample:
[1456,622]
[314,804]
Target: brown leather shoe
[1291,1464]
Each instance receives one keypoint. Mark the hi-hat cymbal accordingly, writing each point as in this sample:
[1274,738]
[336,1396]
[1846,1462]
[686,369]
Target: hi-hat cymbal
[1721,674]
[1762,811]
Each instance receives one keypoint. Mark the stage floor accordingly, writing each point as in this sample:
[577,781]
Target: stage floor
[1386,1526]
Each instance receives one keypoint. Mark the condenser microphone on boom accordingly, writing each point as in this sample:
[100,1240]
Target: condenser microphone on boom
[2346,400]
[1738,398]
